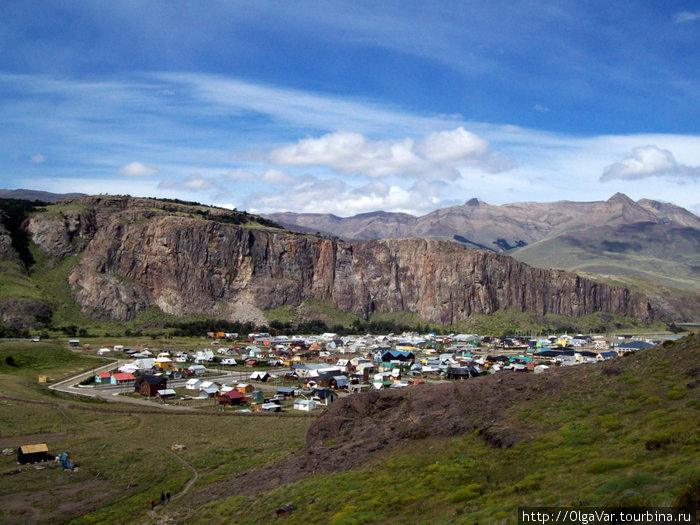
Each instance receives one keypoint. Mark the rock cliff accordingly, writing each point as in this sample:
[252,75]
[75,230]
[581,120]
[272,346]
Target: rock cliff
[138,252]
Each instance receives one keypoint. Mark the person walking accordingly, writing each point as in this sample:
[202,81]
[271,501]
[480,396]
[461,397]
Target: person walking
[153,504]
[167,496]
[162,498]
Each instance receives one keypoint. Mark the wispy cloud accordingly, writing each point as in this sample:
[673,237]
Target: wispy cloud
[687,16]
[37,159]
[648,161]
[194,182]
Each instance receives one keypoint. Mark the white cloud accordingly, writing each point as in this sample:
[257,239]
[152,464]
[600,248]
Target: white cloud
[136,169]
[452,146]
[350,153]
[438,155]
[337,197]
[193,182]
[541,108]
[648,161]
[37,159]
[687,16]
[277,177]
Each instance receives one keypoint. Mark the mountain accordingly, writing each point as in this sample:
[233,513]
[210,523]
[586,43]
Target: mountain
[36,195]
[645,239]
[124,255]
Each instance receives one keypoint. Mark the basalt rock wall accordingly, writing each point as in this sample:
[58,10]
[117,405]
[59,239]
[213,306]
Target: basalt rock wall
[132,257]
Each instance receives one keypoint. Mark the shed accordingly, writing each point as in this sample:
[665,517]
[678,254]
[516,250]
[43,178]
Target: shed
[166,393]
[33,453]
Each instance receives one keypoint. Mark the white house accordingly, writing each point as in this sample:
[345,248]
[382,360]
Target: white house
[198,369]
[305,405]
[193,384]
[204,356]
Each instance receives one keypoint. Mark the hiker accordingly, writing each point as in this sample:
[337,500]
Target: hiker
[162,498]
[153,504]
[167,496]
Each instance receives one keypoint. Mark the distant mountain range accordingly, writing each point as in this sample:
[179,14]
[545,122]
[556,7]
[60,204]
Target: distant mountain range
[36,195]
[619,237]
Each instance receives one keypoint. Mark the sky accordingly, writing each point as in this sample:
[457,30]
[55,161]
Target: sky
[348,107]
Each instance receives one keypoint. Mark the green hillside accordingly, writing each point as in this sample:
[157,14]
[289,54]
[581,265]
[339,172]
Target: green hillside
[618,434]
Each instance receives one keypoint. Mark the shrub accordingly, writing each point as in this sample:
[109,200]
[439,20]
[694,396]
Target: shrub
[605,465]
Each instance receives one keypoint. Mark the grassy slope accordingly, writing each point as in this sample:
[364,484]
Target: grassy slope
[628,437]
[643,256]
[123,453]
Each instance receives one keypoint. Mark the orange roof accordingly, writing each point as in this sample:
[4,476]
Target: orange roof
[123,377]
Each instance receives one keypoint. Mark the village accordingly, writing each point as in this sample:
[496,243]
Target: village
[262,373]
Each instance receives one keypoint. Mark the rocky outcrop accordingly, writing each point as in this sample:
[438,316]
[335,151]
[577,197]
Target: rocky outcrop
[184,264]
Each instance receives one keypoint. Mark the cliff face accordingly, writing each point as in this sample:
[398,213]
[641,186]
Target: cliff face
[136,256]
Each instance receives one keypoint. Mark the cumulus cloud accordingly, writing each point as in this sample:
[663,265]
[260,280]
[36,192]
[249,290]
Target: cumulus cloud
[193,182]
[438,155]
[338,197]
[136,169]
[451,146]
[648,161]
[687,16]
[37,159]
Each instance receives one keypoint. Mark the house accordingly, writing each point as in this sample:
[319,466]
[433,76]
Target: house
[73,342]
[33,453]
[305,405]
[204,356]
[103,377]
[104,351]
[164,363]
[231,398]
[121,378]
[244,388]
[149,385]
[286,392]
[632,346]
[324,396]
[338,382]
[397,355]
[193,384]
[271,407]
[229,361]
[209,388]
[198,370]
[257,396]
[260,376]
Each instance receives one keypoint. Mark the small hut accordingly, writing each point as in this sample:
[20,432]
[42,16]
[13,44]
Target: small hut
[33,453]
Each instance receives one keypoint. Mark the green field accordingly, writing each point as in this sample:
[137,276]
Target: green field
[627,434]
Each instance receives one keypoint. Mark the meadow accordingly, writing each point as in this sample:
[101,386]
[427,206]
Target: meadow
[625,433]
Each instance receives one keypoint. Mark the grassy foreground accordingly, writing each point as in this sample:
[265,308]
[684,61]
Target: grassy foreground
[620,435]
[624,433]
[123,452]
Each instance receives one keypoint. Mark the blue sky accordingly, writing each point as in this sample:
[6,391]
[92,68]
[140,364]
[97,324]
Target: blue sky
[350,107]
